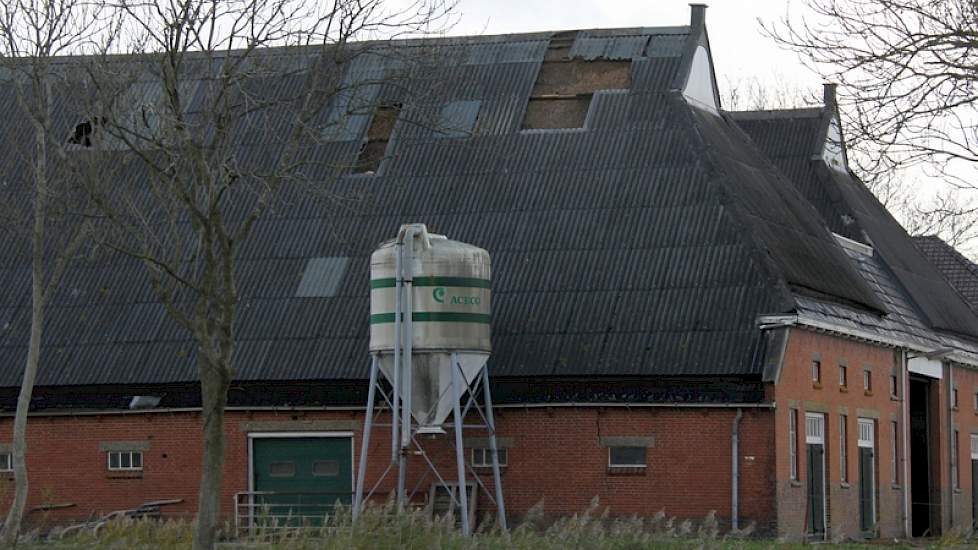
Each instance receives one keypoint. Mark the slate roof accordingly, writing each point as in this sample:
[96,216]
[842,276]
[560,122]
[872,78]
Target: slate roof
[646,244]
[961,272]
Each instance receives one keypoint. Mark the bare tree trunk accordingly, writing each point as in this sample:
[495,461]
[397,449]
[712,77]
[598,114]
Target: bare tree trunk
[11,527]
[214,384]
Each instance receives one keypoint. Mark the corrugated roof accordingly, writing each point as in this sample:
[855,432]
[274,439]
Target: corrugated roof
[961,272]
[792,138]
[646,244]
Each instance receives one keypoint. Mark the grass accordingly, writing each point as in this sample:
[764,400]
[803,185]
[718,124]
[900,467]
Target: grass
[382,528]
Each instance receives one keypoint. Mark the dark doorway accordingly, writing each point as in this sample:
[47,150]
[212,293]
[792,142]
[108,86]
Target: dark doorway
[867,475]
[816,491]
[922,501]
[974,493]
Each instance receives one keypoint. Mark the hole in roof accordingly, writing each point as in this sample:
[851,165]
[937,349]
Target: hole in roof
[374,149]
[564,86]
[85,131]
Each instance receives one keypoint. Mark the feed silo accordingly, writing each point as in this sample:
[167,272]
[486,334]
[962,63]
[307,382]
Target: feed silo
[430,312]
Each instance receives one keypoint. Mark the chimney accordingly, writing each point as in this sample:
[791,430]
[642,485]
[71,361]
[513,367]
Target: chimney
[697,17]
[828,95]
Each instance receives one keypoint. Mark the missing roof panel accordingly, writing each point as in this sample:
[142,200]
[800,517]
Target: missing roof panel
[564,86]
[374,149]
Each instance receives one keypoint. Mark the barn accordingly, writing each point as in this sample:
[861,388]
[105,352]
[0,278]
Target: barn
[693,310]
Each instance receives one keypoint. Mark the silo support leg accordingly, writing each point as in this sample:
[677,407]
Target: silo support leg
[496,478]
[459,451]
[365,438]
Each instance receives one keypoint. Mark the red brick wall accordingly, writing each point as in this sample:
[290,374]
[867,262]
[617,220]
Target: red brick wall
[796,389]
[556,458]
[965,420]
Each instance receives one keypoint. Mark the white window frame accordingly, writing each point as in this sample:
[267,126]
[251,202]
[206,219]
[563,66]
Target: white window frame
[120,467]
[955,460]
[866,436]
[974,446]
[843,448]
[816,371]
[843,376]
[867,380]
[502,454]
[643,465]
[10,463]
[793,443]
[814,428]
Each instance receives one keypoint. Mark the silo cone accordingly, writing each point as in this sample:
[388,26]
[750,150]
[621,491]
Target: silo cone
[431,383]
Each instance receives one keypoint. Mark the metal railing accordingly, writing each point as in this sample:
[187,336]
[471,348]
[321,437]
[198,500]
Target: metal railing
[268,512]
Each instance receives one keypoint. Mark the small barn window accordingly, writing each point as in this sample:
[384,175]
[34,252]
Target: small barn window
[867,380]
[281,469]
[626,457]
[326,468]
[816,372]
[125,461]
[374,149]
[843,448]
[482,457]
[6,462]
[843,376]
[793,443]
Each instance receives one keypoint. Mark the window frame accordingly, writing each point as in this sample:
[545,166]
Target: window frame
[894,452]
[843,376]
[816,371]
[120,468]
[955,461]
[502,454]
[645,456]
[867,380]
[9,468]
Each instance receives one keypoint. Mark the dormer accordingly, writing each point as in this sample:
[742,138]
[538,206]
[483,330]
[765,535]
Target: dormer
[833,149]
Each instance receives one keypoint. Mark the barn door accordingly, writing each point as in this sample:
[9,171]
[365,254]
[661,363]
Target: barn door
[815,439]
[867,475]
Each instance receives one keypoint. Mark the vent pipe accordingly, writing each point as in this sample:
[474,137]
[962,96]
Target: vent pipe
[697,16]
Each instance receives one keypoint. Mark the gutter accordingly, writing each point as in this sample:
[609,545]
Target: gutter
[766,322]
[358,408]
[735,471]
[905,417]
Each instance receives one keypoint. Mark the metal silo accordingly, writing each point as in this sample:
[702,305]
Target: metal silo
[430,312]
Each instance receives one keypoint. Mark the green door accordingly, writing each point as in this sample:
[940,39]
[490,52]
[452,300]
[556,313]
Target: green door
[302,478]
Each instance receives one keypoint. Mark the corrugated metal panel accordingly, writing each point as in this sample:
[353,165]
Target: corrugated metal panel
[458,119]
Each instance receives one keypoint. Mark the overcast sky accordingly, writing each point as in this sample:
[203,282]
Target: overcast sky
[739,47]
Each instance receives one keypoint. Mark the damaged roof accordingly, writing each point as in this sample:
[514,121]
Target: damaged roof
[647,242]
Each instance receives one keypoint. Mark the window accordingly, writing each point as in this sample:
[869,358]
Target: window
[125,460]
[843,376]
[894,386]
[955,459]
[954,398]
[867,380]
[626,457]
[843,449]
[976,401]
[817,372]
[326,468]
[6,462]
[281,469]
[894,452]
[793,442]
[482,457]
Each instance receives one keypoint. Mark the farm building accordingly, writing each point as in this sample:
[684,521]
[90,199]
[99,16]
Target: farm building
[693,310]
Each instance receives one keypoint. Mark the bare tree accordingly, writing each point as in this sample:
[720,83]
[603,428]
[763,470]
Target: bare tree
[211,122]
[54,221]
[907,73]
[754,94]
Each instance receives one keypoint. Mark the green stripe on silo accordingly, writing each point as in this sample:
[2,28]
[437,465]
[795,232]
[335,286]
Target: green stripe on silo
[435,316]
[464,282]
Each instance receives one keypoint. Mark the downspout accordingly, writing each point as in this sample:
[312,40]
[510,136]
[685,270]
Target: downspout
[950,444]
[905,417]
[735,476]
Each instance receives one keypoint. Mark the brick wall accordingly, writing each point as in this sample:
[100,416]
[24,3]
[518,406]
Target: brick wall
[556,457]
[965,420]
[797,389]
